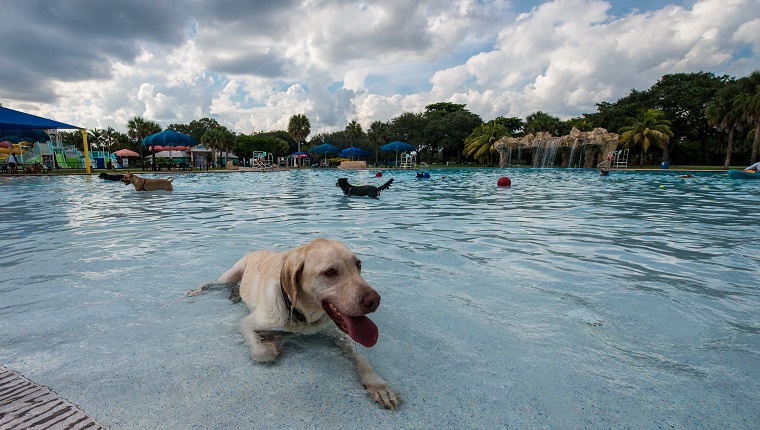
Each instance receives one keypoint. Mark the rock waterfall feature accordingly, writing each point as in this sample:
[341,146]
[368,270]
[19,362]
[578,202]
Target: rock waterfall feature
[577,149]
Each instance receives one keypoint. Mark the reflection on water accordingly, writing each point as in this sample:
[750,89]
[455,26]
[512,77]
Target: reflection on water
[568,299]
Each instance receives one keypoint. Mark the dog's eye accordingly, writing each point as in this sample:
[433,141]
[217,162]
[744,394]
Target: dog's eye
[330,272]
[359,265]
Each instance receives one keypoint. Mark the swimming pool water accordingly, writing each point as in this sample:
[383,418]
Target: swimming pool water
[567,300]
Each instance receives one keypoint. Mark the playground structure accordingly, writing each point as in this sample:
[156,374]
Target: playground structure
[53,154]
[578,149]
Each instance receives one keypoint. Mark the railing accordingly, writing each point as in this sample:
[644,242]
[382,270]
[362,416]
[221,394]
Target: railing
[615,160]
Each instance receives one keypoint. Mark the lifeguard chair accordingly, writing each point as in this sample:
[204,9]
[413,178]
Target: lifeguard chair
[408,160]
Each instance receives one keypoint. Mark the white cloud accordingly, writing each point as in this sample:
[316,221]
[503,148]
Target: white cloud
[252,67]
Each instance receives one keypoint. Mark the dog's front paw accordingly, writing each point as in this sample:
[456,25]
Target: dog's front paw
[383,396]
[266,352]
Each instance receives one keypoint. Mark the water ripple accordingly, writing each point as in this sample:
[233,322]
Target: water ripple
[643,282]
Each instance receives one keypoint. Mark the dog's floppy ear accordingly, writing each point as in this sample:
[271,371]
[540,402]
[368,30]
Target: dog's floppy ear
[290,274]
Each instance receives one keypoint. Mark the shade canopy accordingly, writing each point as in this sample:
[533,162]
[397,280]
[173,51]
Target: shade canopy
[397,146]
[325,148]
[24,135]
[353,152]
[169,138]
[10,118]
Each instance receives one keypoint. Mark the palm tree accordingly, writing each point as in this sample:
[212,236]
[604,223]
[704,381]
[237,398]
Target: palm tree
[378,133]
[748,103]
[299,128]
[353,132]
[229,141]
[646,129]
[214,139]
[542,121]
[479,144]
[722,114]
[138,129]
[97,138]
[111,136]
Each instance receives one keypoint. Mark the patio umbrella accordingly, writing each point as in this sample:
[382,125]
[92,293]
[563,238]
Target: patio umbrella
[397,146]
[353,152]
[325,148]
[126,153]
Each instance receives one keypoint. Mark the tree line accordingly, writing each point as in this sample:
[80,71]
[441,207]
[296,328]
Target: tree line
[685,118]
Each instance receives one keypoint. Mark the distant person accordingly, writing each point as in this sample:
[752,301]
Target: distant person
[13,163]
[753,168]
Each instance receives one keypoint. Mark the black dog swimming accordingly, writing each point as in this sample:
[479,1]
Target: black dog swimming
[111,176]
[361,190]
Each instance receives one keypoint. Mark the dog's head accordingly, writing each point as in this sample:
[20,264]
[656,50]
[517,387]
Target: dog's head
[326,274]
[103,175]
[128,178]
[342,182]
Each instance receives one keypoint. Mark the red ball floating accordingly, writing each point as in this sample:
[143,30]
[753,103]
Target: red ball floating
[378,174]
[504,182]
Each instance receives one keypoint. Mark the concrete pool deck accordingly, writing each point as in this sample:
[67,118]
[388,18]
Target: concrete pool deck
[24,404]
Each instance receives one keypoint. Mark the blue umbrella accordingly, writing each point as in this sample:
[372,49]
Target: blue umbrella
[354,152]
[325,148]
[397,146]
[169,138]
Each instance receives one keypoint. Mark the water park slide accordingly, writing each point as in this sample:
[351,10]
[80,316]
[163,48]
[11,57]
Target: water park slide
[5,152]
[61,160]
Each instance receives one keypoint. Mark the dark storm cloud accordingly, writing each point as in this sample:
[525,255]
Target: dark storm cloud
[77,39]
[264,65]
[262,15]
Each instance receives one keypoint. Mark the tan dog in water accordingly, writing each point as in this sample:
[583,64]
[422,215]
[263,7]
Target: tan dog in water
[314,287]
[142,184]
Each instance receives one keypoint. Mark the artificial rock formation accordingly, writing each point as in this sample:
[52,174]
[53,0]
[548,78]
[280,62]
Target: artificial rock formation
[591,147]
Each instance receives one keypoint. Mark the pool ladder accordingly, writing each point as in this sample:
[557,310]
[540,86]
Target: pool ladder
[615,160]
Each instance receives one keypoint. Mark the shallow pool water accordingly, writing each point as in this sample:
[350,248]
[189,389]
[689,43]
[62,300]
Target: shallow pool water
[568,300]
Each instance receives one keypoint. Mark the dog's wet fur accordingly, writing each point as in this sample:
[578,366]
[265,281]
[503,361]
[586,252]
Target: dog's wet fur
[361,190]
[111,176]
[143,184]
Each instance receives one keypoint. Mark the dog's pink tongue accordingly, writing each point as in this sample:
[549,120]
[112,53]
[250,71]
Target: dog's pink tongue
[362,330]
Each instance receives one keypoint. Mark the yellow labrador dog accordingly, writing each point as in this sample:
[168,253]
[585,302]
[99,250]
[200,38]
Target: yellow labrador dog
[313,287]
[142,184]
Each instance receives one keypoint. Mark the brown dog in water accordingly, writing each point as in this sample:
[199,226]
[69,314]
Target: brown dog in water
[142,184]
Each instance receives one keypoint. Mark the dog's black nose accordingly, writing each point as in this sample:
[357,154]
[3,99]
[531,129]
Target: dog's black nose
[370,302]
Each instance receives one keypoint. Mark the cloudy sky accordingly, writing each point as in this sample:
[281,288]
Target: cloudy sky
[251,64]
